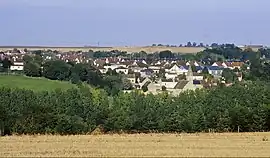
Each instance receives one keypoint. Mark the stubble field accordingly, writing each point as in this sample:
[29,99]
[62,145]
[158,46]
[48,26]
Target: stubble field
[203,144]
[130,49]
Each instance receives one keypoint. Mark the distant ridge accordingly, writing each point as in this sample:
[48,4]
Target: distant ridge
[52,47]
[128,49]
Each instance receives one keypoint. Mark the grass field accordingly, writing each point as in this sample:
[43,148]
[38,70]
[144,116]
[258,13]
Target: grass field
[36,84]
[207,145]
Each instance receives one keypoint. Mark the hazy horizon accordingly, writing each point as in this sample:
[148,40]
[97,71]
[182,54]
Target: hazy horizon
[121,22]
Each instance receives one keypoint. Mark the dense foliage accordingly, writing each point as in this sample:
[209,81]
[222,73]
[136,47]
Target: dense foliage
[112,82]
[243,107]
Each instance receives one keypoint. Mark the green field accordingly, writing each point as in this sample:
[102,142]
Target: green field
[36,84]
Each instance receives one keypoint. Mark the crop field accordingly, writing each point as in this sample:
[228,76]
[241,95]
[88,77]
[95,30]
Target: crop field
[130,49]
[188,145]
[36,84]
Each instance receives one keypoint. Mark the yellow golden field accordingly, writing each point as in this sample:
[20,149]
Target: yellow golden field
[148,49]
[205,144]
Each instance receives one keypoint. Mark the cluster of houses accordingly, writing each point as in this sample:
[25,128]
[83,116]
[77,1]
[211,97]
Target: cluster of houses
[16,59]
[173,75]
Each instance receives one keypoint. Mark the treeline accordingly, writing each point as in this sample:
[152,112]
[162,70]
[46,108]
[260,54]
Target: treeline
[217,52]
[242,107]
[76,73]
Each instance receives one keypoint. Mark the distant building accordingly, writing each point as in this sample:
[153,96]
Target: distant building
[122,69]
[216,71]
[17,66]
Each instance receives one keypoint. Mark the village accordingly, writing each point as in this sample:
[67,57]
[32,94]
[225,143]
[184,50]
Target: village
[171,75]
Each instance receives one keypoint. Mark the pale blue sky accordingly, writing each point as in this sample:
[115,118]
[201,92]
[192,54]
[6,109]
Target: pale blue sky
[133,22]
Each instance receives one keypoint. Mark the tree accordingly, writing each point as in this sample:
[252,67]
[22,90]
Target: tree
[214,45]
[166,54]
[194,44]
[113,84]
[111,72]
[38,52]
[6,64]
[163,88]
[127,84]
[56,70]
[32,69]
[88,73]
[189,44]
[144,88]
[27,58]
[229,76]
[38,59]
[193,67]
[205,70]
[201,45]
[137,77]
[75,79]
[143,55]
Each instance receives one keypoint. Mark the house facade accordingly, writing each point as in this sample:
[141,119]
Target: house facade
[178,70]
[216,71]
[17,66]
[122,69]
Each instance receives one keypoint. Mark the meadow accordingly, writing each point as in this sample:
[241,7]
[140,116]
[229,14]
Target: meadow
[36,84]
[125,145]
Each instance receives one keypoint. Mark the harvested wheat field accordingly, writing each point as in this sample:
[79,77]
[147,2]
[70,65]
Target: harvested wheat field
[214,145]
[130,49]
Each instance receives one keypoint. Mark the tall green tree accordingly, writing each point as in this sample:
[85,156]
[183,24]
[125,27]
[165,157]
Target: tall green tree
[32,69]
[229,75]
[56,70]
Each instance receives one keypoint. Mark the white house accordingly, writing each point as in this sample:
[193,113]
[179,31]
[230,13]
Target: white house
[215,70]
[192,63]
[198,77]
[220,64]
[136,68]
[169,85]
[178,70]
[155,69]
[170,75]
[122,69]
[146,72]
[17,66]
[113,66]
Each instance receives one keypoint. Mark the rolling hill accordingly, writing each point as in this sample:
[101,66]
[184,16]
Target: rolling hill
[36,84]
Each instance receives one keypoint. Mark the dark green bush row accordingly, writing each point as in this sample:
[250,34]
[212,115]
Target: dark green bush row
[79,111]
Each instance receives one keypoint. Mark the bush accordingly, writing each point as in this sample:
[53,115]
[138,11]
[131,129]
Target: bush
[163,88]
[144,88]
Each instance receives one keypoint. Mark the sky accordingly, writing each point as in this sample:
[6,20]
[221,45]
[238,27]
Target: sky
[133,22]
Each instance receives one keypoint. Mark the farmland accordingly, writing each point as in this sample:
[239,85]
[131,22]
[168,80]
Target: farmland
[129,49]
[36,84]
[202,144]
